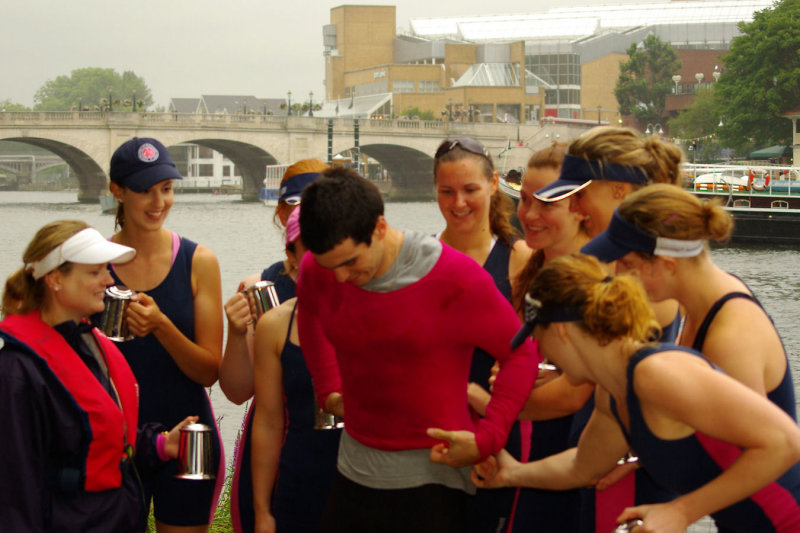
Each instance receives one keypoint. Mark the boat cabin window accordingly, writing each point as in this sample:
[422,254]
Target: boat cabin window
[741,203]
[780,204]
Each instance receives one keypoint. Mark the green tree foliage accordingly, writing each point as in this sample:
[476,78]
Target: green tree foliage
[701,118]
[761,79]
[697,125]
[412,112]
[90,88]
[8,105]
[645,79]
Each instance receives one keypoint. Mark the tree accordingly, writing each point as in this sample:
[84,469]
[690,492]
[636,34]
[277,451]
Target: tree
[761,79]
[645,79]
[90,87]
[701,118]
[697,126]
[8,105]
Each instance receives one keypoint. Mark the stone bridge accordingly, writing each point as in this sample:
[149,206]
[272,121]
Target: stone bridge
[85,141]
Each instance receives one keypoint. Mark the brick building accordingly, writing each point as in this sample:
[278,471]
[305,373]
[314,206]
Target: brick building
[562,62]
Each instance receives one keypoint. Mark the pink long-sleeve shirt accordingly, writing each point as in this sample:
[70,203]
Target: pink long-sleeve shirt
[401,358]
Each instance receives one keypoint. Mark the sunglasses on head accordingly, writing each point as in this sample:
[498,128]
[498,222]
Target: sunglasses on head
[465,143]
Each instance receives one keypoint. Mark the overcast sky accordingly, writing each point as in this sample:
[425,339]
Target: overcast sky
[185,48]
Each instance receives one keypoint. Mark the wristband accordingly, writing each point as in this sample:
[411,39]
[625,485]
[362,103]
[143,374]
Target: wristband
[161,444]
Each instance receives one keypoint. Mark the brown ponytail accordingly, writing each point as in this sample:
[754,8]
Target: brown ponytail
[671,212]
[612,307]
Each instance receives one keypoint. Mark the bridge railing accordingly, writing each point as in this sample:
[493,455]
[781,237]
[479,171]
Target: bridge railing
[498,131]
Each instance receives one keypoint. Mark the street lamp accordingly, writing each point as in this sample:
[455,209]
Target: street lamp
[699,77]
[677,79]
[654,129]
[110,102]
[311,103]
[450,109]
[716,73]
[289,105]
[80,103]
[134,100]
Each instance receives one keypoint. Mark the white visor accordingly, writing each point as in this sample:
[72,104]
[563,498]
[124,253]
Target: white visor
[86,247]
[678,247]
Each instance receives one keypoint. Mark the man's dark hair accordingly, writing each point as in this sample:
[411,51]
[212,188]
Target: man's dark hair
[339,205]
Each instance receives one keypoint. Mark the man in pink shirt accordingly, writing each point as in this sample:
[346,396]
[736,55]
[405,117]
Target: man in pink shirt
[388,322]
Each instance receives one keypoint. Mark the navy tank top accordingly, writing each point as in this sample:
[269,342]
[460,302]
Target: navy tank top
[307,462]
[683,465]
[167,395]
[783,394]
[497,266]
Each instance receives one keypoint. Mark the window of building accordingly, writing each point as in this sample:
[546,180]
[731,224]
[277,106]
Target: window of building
[425,86]
[556,69]
[204,152]
[205,170]
[556,97]
[381,87]
[226,170]
[403,86]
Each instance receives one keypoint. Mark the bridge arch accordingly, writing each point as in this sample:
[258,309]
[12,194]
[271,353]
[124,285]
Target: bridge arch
[410,169]
[251,161]
[90,175]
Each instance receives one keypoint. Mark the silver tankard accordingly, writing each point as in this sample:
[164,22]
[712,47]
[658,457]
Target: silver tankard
[325,420]
[262,297]
[628,526]
[194,452]
[113,320]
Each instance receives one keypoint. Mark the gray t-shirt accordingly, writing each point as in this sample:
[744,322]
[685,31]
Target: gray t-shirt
[380,469]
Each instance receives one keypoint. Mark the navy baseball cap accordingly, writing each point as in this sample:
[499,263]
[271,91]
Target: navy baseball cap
[577,173]
[623,236]
[140,163]
[293,187]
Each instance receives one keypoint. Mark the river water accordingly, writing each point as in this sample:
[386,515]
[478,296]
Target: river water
[245,240]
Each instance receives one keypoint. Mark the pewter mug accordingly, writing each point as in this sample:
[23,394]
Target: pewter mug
[113,320]
[628,526]
[194,452]
[263,296]
[324,420]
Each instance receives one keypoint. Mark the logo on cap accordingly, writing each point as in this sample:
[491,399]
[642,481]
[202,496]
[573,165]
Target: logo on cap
[148,153]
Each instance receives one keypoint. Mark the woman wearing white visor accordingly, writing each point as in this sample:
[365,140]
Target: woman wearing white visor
[68,400]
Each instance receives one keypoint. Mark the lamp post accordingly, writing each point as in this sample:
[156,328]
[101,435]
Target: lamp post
[80,103]
[134,100]
[289,104]
[677,79]
[450,110]
[654,128]
[311,103]
[110,102]
[716,73]
[699,77]
[244,106]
